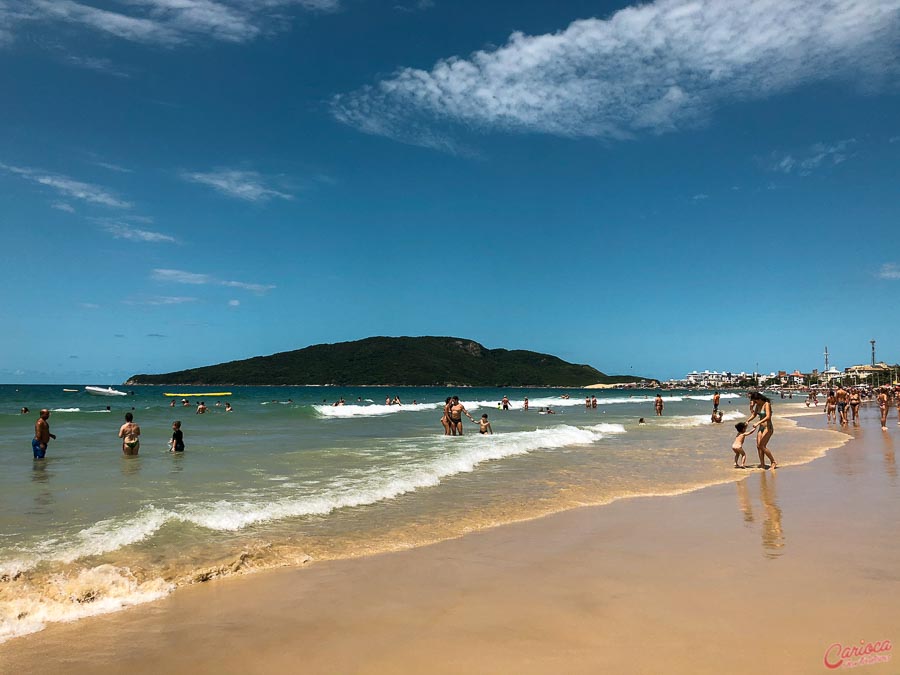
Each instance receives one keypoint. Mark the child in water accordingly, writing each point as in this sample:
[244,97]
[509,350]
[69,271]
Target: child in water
[738,445]
[177,442]
[484,427]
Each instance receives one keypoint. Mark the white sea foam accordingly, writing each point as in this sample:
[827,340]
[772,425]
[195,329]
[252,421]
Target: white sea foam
[709,397]
[372,410]
[65,410]
[98,590]
[431,461]
[687,421]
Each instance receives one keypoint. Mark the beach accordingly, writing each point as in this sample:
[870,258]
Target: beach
[767,574]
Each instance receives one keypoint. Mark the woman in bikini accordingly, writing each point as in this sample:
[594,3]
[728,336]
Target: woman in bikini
[763,409]
[855,400]
[831,407]
[130,435]
[445,420]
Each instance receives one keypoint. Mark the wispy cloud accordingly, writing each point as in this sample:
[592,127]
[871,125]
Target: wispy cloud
[655,67]
[234,303]
[62,206]
[182,277]
[167,23]
[122,231]
[159,300]
[156,335]
[98,65]
[815,157]
[88,305]
[700,197]
[69,187]
[247,185]
[113,167]
[889,271]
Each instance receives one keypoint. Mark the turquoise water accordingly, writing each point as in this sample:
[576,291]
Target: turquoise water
[287,477]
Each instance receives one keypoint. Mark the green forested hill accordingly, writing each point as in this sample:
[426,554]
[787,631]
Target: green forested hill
[395,361]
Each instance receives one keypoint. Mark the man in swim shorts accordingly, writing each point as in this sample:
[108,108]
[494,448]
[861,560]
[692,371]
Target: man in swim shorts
[42,435]
[842,398]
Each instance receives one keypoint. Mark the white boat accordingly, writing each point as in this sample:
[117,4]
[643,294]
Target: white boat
[109,391]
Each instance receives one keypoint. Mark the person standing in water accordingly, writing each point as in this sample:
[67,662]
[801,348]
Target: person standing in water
[130,434]
[177,442]
[659,405]
[42,435]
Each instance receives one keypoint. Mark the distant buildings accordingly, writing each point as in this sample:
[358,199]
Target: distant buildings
[868,374]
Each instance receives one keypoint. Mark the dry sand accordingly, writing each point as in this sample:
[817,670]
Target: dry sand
[761,576]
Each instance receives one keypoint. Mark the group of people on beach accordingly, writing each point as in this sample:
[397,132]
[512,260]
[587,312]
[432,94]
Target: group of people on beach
[843,405]
[129,432]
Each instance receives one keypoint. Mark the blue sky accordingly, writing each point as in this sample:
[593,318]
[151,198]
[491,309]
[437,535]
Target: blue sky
[648,189]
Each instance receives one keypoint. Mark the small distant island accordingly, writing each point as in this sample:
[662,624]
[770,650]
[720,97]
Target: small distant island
[394,361]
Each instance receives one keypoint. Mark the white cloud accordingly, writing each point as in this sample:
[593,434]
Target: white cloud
[88,305]
[62,206]
[655,67]
[700,197]
[69,187]
[158,300]
[182,277]
[889,271]
[121,231]
[113,167]
[247,185]
[98,65]
[234,303]
[815,157]
[167,23]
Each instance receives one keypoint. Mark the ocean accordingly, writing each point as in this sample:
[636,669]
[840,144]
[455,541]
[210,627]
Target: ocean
[287,478]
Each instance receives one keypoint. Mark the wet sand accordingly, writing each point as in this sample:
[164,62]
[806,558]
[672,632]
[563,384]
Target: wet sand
[763,575]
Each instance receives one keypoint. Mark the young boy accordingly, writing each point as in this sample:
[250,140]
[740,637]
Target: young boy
[738,445]
[177,442]
[484,426]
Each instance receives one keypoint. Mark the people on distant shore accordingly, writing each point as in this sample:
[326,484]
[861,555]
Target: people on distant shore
[130,434]
[738,445]
[659,405]
[177,442]
[484,427]
[42,434]
[762,408]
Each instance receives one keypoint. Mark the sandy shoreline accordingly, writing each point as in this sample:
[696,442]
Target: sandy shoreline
[761,575]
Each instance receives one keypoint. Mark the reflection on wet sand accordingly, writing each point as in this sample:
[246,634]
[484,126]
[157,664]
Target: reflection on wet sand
[890,464]
[744,501]
[772,532]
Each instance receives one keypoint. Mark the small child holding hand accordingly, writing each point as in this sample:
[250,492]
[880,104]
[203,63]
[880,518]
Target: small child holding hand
[738,445]
[484,426]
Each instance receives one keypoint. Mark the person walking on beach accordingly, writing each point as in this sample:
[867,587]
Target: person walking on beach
[42,435]
[457,410]
[659,405]
[765,429]
[831,406]
[842,397]
[130,434]
[177,442]
[854,400]
[882,400]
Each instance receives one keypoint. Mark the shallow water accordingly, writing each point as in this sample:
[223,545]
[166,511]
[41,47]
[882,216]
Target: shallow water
[287,476]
